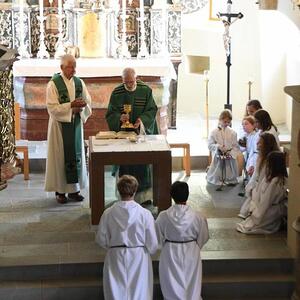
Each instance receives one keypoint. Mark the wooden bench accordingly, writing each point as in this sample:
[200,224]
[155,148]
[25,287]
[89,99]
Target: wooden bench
[19,148]
[186,159]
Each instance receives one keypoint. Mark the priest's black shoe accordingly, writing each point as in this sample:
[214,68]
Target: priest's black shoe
[75,197]
[60,198]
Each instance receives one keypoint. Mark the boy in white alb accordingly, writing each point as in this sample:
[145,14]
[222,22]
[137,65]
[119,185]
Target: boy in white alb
[182,233]
[127,231]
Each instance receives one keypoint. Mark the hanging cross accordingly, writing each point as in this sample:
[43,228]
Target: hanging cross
[228,19]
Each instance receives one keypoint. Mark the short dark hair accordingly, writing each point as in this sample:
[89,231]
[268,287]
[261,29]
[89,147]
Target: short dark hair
[180,191]
[127,186]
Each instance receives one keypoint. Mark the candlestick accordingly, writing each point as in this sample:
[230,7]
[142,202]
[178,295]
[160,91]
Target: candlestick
[206,79]
[42,53]
[22,48]
[143,52]
[60,49]
[124,53]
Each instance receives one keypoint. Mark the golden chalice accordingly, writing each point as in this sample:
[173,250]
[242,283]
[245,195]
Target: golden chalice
[127,110]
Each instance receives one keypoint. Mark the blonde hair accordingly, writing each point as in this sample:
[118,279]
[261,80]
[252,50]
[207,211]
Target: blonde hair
[225,114]
[127,186]
[250,119]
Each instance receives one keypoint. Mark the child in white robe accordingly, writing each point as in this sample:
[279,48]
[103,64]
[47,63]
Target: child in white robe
[267,205]
[249,144]
[127,231]
[264,124]
[266,144]
[182,233]
[223,145]
[252,106]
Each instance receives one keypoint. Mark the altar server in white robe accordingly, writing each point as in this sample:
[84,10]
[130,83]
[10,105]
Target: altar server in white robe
[266,144]
[268,199]
[182,233]
[224,148]
[69,106]
[128,233]
[249,144]
[264,123]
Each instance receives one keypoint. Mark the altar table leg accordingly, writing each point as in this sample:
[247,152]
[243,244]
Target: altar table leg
[162,179]
[96,191]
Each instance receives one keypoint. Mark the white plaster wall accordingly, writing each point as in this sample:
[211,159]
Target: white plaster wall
[260,42]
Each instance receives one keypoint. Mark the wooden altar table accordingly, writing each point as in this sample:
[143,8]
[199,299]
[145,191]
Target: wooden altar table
[155,150]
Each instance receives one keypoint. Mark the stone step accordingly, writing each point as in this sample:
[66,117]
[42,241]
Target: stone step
[261,286]
[85,266]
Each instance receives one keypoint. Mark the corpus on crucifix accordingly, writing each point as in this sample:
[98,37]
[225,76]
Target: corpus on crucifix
[228,19]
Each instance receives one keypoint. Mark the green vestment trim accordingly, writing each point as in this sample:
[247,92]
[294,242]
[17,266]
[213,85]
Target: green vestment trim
[71,131]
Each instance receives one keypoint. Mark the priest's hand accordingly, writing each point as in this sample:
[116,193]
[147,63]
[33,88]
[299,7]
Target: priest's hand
[124,118]
[78,103]
[137,123]
[76,110]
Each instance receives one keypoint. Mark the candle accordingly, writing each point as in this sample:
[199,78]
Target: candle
[60,9]
[41,3]
[21,12]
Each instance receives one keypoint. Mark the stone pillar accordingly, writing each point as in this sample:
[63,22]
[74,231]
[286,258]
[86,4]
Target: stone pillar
[296,227]
[294,171]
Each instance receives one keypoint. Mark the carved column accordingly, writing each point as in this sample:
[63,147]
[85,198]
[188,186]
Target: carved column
[7,136]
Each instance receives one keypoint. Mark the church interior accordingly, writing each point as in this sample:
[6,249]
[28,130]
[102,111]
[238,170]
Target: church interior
[198,57]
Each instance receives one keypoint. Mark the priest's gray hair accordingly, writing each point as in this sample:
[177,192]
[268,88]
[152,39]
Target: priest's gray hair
[128,71]
[67,58]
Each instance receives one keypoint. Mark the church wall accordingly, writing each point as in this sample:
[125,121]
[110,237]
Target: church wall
[206,39]
[260,45]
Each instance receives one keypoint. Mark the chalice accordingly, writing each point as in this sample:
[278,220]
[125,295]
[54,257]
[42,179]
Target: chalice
[127,110]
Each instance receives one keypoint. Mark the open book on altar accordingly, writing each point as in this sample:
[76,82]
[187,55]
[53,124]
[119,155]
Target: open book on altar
[115,135]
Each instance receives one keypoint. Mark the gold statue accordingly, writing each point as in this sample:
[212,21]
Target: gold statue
[127,110]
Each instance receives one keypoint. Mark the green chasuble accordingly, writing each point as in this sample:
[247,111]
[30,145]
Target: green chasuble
[71,131]
[143,106]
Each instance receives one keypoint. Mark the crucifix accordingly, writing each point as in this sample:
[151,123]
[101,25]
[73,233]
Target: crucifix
[228,19]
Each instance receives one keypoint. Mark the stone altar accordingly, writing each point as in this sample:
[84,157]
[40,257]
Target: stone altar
[100,75]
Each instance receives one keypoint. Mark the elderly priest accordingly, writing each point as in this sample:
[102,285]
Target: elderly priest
[69,106]
[142,116]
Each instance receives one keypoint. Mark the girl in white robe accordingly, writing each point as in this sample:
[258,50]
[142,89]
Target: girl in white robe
[249,144]
[266,144]
[267,205]
[264,124]
[128,233]
[182,233]
[224,148]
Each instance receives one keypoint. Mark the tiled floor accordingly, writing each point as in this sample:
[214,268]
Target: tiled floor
[34,228]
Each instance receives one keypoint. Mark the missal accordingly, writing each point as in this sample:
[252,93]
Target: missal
[116,135]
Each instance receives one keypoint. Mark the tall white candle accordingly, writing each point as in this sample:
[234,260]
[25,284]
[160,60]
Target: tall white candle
[41,3]
[124,13]
[60,9]
[21,12]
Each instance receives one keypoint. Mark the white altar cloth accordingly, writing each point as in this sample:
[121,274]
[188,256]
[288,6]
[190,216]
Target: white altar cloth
[95,67]
[152,143]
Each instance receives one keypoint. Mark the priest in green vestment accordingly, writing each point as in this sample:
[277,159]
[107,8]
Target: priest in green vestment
[69,106]
[142,116]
